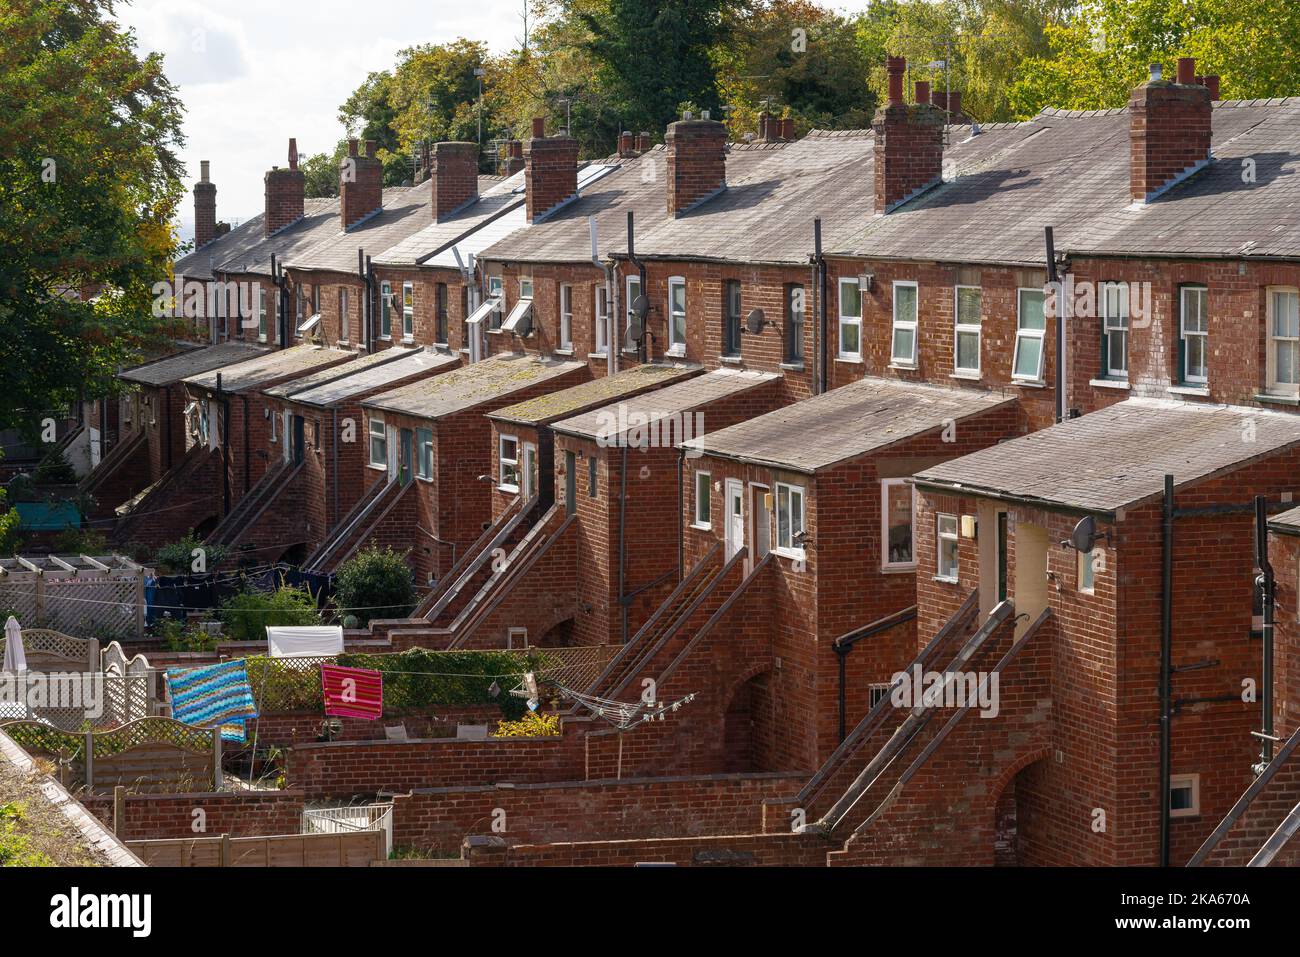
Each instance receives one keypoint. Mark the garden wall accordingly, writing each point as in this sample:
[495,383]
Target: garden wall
[239,814]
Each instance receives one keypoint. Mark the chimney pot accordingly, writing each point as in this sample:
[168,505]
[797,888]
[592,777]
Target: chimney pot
[352,147]
[203,171]
[626,144]
[370,148]
[896,66]
[1212,84]
[1157,71]
[787,128]
[922,91]
[293,153]
[205,208]
[1186,70]
[539,127]
[643,144]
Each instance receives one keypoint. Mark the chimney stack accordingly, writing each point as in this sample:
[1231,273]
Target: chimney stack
[765,132]
[361,184]
[923,91]
[284,194]
[514,156]
[205,208]
[626,145]
[643,144]
[909,144]
[550,170]
[454,171]
[1169,130]
[697,162]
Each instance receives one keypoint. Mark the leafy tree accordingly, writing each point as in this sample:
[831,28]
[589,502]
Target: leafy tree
[89,183]
[246,616]
[375,584]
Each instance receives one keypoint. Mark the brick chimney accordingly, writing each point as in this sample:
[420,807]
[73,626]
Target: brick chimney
[361,184]
[1211,83]
[514,156]
[765,132]
[1169,130]
[643,144]
[284,194]
[454,172]
[626,145]
[697,162]
[550,170]
[205,208]
[909,144]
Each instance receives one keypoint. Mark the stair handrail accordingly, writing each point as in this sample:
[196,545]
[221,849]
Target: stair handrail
[345,528]
[476,563]
[468,555]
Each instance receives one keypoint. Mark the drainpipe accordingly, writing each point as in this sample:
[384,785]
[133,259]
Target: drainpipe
[640,266]
[622,539]
[820,378]
[224,425]
[248,478]
[681,514]
[1166,670]
[1267,582]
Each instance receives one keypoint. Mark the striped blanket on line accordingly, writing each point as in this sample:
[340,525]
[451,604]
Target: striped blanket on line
[352,692]
[216,695]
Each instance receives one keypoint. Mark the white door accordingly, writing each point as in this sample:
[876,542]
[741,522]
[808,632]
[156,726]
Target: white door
[760,532]
[735,526]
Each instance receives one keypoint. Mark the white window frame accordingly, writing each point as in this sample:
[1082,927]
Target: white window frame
[1115,325]
[600,309]
[345,307]
[419,454]
[382,437]
[566,317]
[513,461]
[514,633]
[1192,782]
[908,325]
[885,563]
[966,329]
[1087,571]
[408,312]
[703,483]
[1022,333]
[275,422]
[275,327]
[1275,387]
[629,282]
[1203,334]
[942,535]
[497,290]
[525,287]
[848,320]
[386,310]
[787,492]
[261,313]
[676,347]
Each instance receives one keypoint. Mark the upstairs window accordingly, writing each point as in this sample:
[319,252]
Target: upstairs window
[794,309]
[509,463]
[378,444]
[897,509]
[496,290]
[702,513]
[602,319]
[566,317]
[343,314]
[946,564]
[1283,341]
[261,313]
[966,331]
[1031,325]
[633,290]
[1114,330]
[789,519]
[903,351]
[424,453]
[1193,335]
[441,313]
[385,310]
[731,306]
[677,316]
[850,320]
[408,311]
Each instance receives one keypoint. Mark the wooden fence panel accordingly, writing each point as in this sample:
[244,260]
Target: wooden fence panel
[357,849]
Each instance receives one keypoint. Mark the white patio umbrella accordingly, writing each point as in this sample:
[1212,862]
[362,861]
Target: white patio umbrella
[15,659]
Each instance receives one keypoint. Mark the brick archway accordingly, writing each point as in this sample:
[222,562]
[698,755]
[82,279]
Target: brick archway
[1014,818]
[746,718]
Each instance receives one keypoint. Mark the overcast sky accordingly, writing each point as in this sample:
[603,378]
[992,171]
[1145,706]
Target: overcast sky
[253,74]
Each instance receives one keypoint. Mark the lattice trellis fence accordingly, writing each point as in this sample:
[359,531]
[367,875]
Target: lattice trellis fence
[576,667]
[107,606]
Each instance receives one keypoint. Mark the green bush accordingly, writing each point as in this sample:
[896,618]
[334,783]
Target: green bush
[419,678]
[177,558]
[375,584]
[246,616]
[80,541]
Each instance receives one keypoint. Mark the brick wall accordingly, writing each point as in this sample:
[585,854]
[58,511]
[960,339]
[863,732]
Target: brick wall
[237,813]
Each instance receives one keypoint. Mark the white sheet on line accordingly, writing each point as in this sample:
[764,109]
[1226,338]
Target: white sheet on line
[297,641]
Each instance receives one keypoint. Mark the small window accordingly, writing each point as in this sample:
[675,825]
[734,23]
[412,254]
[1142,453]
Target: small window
[516,637]
[731,307]
[966,339]
[525,288]
[591,476]
[903,351]
[794,309]
[465,310]
[441,313]
[1114,330]
[424,453]
[385,311]
[677,315]
[702,489]
[275,421]
[299,300]
[1031,325]
[1089,564]
[566,316]
[261,313]
[378,444]
[408,310]
[946,529]
[276,326]
[878,692]
[897,509]
[496,290]
[1185,795]
[1194,330]
[633,290]
[850,319]
[343,314]
[1284,341]
[509,463]
[602,320]
[789,519]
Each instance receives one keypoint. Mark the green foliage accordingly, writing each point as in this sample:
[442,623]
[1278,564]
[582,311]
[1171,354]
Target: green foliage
[89,185]
[178,635]
[81,541]
[246,616]
[531,725]
[16,848]
[419,678]
[375,584]
[177,558]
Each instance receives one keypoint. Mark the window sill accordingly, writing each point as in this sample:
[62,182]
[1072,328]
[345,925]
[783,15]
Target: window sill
[1198,391]
[1278,399]
[967,376]
[944,581]
[564,352]
[597,355]
[376,468]
[630,352]
[700,528]
[386,338]
[792,366]
[1121,384]
[903,366]
[728,360]
[495,332]
[512,489]
[1029,383]
[675,352]
[898,569]
[794,555]
[852,360]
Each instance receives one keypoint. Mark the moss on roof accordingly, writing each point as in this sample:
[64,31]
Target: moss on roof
[579,398]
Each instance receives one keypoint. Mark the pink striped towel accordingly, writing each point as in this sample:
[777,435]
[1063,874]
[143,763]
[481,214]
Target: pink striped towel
[352,692]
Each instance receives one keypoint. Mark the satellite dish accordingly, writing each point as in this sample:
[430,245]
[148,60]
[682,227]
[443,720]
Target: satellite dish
[1084,537]
[640,306]
[755,322]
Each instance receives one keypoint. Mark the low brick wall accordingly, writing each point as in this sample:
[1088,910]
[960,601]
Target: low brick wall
[237,813]
[438,819]
[744,850]
[302,727]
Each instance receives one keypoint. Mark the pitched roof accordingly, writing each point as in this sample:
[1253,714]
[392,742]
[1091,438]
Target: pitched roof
[405,211]
[844,423]
[651,407]
[358,381]
[471,385]
[191,362]
[1117,457]
[331,373]
[270,368]
[1070,170]
[567,402]
[499,198]
[245,250]
[1288,522]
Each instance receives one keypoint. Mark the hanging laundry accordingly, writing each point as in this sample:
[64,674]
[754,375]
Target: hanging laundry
[215,695]
[352,692]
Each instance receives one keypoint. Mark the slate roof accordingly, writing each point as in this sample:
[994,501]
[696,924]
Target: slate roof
[648,408]
[1288,522]
[405,211]
[471,385]
[845,423]
[553,406]
[495,199]
[362,361]
[1070,170]
[270,367]
[245,250]
[176,367]
[1117,457]
[360,381]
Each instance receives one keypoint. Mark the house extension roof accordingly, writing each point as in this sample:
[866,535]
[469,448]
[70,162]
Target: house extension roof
[845,423]
[471,385]
[191,362]
[270,368]
[332,373]
[613,421]
[1117,457]
[553,406]
[361,379]
[1288,522]
[1070,170]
